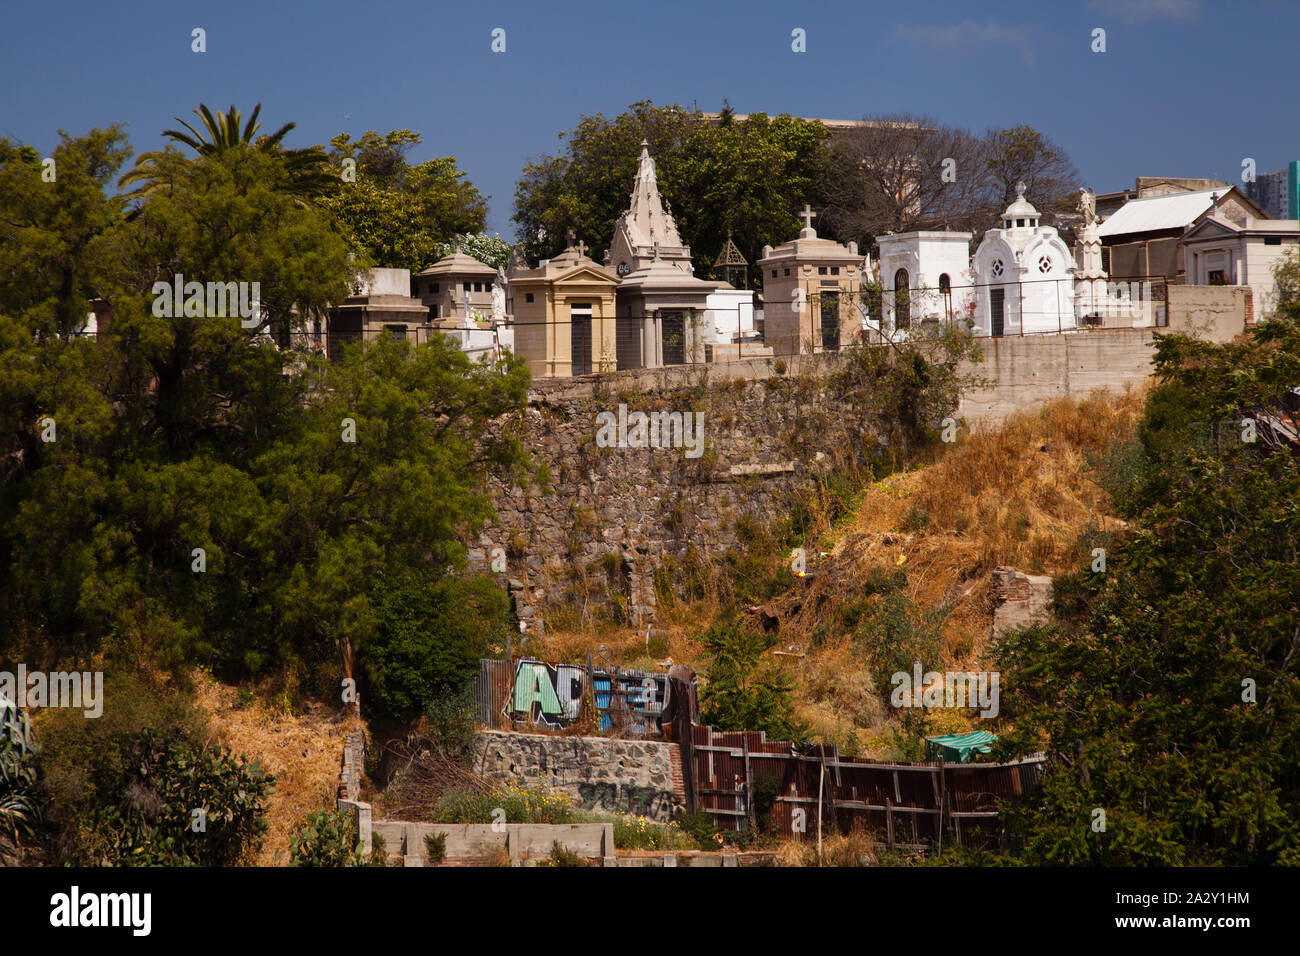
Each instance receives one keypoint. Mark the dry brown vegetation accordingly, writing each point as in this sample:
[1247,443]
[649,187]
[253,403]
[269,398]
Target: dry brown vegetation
[302,751]
[1024,494]
[1017,495]
[853,849]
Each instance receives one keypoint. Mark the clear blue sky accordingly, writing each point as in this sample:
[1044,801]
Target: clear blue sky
[1185,87]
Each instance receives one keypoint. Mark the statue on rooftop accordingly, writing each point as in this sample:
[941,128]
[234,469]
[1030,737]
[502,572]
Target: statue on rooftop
[1088,205]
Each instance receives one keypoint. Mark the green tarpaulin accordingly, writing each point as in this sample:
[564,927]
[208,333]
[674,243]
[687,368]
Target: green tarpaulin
[959,747]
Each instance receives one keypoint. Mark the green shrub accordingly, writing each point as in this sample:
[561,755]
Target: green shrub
[745,691]
[641,833]
[122,788]
[20,804]
[700,827]
[452,722]
[182,804]
[429,639]
[766,788]
[435,847]
[330,838]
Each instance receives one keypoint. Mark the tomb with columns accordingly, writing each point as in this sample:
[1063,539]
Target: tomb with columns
[660,303]
[811,289]
[564,315]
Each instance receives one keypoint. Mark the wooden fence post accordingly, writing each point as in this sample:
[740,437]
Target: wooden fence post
[749,793]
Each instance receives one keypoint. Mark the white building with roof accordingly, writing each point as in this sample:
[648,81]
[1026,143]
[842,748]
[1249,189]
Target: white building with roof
[1221,252]
[1024,274]
[924,277]
[1142,238]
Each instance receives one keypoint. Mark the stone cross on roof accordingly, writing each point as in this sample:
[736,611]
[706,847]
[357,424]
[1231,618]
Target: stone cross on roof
[569,236]
[807,216]
[581,247]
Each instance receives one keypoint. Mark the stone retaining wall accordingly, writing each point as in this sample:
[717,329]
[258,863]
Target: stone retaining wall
[616,515]
[642,777]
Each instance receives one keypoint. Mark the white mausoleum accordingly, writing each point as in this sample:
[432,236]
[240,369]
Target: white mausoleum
[1024,275]
[924,277]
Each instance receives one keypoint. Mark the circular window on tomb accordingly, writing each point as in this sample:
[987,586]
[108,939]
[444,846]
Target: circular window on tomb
[997,268]
[1045,264]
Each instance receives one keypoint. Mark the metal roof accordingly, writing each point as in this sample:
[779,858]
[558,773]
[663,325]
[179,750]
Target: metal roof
[1158,213]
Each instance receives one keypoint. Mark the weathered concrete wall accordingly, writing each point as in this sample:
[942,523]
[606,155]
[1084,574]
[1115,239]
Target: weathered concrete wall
[1216,312]
[1019,600]
[642,777]
[477,841]
[1026,372]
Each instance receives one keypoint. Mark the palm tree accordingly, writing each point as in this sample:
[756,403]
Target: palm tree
[307,168]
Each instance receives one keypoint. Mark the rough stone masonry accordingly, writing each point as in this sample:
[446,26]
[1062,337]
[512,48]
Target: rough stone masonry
[612,515]
[641,777]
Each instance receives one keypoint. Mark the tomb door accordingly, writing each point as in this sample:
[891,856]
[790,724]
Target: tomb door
[997,310]
[580,337]
[902,300]
[830,316]
[674,330]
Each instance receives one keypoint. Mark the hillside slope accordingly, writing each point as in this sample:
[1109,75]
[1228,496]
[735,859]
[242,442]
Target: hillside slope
[906,573]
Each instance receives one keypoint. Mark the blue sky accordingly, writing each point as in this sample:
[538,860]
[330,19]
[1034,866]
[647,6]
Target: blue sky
[1185,87]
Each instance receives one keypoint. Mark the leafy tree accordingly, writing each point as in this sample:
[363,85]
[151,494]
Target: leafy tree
[395,214]
[1168,690]
[744,691]
[50,265]
[428,642]
[199,505]
[492,249]
[1023,154]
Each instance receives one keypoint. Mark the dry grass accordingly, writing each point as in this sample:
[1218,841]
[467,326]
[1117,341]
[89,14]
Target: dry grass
[856,849]
[1019,494]
[302,751]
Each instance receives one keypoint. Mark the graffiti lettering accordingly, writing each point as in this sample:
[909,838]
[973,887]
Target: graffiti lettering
[642,801]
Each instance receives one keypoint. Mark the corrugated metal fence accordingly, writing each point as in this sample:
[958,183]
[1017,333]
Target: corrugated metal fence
[909,804]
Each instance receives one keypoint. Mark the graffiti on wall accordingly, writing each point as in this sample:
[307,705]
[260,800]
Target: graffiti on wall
[553,696]
[648,802]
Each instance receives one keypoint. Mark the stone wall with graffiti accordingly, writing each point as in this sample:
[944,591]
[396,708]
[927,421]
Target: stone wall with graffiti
[642,777]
